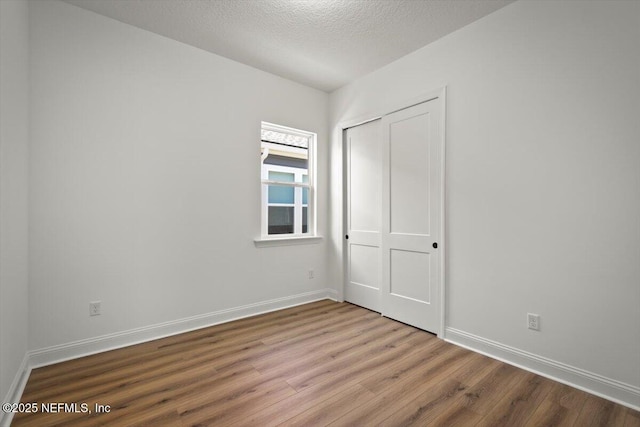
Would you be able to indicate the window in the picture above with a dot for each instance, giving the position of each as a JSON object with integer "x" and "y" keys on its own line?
{"x": 288, "y": 196}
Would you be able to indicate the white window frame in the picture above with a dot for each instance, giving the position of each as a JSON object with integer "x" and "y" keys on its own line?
{"x": 297, "y": 237}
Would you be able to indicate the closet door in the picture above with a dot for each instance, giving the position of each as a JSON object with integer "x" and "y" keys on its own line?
{"x": 411, "y": 215}
{"x": 363, "y": 176}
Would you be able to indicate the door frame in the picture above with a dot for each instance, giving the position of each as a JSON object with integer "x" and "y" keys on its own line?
{"x": 389, "y": 108}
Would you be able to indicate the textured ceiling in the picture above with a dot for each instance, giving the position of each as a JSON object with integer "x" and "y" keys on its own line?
{"x": 320, "y": 43}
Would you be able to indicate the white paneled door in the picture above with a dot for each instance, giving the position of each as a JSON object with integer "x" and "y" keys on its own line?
{"x": 363, "y": 151}
{"x": 411, "y": 215}
{"x": 394, "y": 205}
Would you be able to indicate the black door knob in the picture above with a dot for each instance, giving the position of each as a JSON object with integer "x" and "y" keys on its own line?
{"x": 346, "y": 236}
{"x": 435, "y": 245}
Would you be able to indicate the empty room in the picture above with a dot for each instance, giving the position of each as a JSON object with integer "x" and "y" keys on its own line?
{"x": 320, "y": 212}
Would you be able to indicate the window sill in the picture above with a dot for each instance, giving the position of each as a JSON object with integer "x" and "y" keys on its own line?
{"x": 263, "y": 242}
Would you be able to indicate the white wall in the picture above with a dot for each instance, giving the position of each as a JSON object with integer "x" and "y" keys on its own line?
{"x": 14, "y": 134}
{"x": 145, "y": 179}
{"x": 543, "y": 177}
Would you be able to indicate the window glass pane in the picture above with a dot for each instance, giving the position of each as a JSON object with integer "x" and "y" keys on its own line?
{"x": 281, "y": 176}
{"x": 289, "y": 156}
{"x": 280, "y": 220}
{"x": 305, "y": 220}
{"x": 305, "y": 196}
{"x": 281, "y": 194}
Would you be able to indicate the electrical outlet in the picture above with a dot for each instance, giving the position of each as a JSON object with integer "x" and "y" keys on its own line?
{"x": 311, "y": 274}
{"x": 94, "y": 308}
{"x": 533, "y": 321}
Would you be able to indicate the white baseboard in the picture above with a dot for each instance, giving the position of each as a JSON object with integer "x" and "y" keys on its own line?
{"x": 15, "y": 390}
{"x": 607, "y": 388}
{"x": 74, "y": 350}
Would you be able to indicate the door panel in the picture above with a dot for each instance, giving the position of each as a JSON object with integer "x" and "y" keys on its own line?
{"x": 409, "y": 174}
{"x": 364, "y": 265}
{"x": 362, "y": 148}
{"x": 364, "y": 182}
{"x": 410, "y": 274}
{"x": 411, "y": 201}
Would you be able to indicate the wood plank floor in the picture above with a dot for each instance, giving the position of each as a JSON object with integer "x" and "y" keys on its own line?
{"x": 317, "y": 364}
